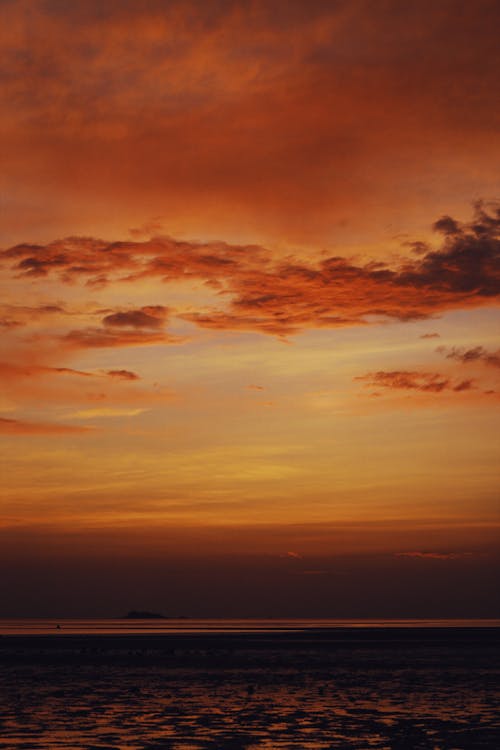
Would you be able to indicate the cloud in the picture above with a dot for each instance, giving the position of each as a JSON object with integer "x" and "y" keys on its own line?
{"x": 30, "y": 385}
{"x": 102, "y": 337}
{"x": 72, "y": 257}
{"x": 281, "y": 296}
{"x": 148, "y": 229}
{"x": 426, "y": 382}
{"x": 123, "y": 374}
{"x": 312, "y": 572}
{"x": 105, "y": 412}
{"x": 19, "y": 427}
{"x": 464, "y": 385}
{"x": 9, "y": 323}
{"x": 152, "y": 316}
{"x": 283, "y": 114}
{"x": 435, "y": 555}
{"x": 447, "y": 225}
{"x": 11, "y": 370}
{"x": 468, "y": 263}
{"x": 119, "y": 328}
{"x": 430, "y": 336}
{"x": 474, "y": 354}
{"x": 14, "y": 316}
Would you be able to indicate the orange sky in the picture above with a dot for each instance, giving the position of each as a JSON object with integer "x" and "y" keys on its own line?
{"x": 249, "y": 283}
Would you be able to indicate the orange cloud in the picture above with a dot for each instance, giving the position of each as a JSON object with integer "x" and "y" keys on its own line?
{"x": 101, "y": 337}
{"x": 10, "y": 370}
{"x": 14, "y": 316}
{"x": 30, "y": 383}
{"x": 20, "y": 427}
{"x": 148, "y": 229}
{"x": 475, "y": 354}
{"x": 427, "y": 382}
{"x": 123, "y": 374}
{"x": 290, "y": 115}
{"x": 100, "y": 412}
{"x": 282, "y": 297}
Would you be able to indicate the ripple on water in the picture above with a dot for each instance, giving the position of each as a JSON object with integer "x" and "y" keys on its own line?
{"x": 156, "y": 708}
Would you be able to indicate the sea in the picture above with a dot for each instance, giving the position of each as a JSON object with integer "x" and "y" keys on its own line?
{"x": 159, "y": 626}
{"x": 190, "y": 684}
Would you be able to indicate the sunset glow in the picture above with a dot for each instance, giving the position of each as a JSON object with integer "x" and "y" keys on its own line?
{"x": 249, "y": 302}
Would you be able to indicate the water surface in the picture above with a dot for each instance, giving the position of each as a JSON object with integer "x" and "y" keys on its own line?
{"x": 83, "y": 626}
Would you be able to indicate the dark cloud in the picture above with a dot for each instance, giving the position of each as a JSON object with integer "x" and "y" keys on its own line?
{"x": 467, "y": 264}
{"x": 39, "y": 266}
{"x": 72, "y": 257}
{"x": 27, "y": 370}
{"x": 430, "y": 336}
{"x": 446, "y": 225}
{"x": 67, "y": 371}
{"x": 123, "y": 375}
{"x": 427, "y": 382}
{"x": 474, "y": 354}
{"x": 464, "y": 385}
{"x": 125, "y": 328}
{"x": 152, "y": 316}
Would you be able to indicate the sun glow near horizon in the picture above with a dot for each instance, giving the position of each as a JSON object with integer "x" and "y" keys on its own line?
{"x": 249, "y": 292}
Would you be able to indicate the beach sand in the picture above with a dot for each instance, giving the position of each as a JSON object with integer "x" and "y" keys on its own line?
{"x": 372, "y": 689}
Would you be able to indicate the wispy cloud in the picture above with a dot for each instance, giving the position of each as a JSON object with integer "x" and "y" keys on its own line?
{"x": 88, "y": 338}
{"x": 105, "y": 412}
{"x": 466, "y": 355}
{"x": 435, "y": 555}
{"x": 28, "y": 370}
{"x": 21, "y": 427}
{"x": 427, "y": 382}
{"x": 123, "y": 374}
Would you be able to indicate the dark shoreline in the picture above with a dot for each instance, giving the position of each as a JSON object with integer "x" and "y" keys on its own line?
{"x": 405, "y": 645}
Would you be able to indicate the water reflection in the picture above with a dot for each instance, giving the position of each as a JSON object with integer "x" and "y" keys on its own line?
{"x": 32, "y": 626}
{"x": 106, "y": 707}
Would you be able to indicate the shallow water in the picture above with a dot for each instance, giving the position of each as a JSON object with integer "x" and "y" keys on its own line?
{"x": 366, "y": 700}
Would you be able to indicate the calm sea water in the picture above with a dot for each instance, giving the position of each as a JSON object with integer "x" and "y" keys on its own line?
{"x": 83, "y": 626}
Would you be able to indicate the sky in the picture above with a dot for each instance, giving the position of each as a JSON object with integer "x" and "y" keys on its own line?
{"x": 249, "y": 308}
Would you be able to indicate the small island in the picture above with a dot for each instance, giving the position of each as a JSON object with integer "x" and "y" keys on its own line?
{"x": 139, "y": 614}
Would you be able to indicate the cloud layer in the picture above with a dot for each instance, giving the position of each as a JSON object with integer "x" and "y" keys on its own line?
{"x": 289, "y": 117}
{"x": 271, "y": 295}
